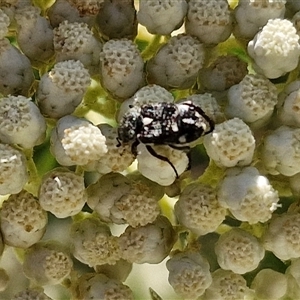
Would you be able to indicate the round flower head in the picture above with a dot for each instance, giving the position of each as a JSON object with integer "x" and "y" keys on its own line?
{"x": 47, "y": 263}
{"x": 198, "y": 209}
{"x": 161, "y": 17}
{"x": 16, "y": 76}
{"x": 223, "y": 73}
{"x": 252, "y": 100}
{"x": 13, "y": 170}
{"x": 293, "y": 276}
{"x": 281, "y": 152}
{"x": 251, "y": 15}
{"x": 83, "y": 11}
{"x": 189, "y": 274}
{"x": 118, "y": 157}
{"x": 282, "y": 236}
{"x": 118, "y": 200}
{"x": 62, "y": 192}
{"x": 61, "y": 90}
{"x": 239, "y": 251}
{"x": 230, "y": 144}
{"x": 248, "y": 195}
{"x": 77, "y": 141}
{"x": 99, "y": 286}
{"x": 21, "y": 122}
{"x": 277, "y": 41}
{"x": 34, "y": 35}
{"x": 117, "y": 19}
{"x": 209, "y": 105}
{"x": 121, "y": 68}
{"x": 158, "y": 170}
{"x": 177, "y": 63}
{"x": 30, "y": 294}
{"x": 151, "y": 243}
{"x": 289, "y": 105}
{"x": 92, "y": 242}
{"x": 23, "y": 221}
{"x": 227, "y": 285}
{"x": 148, "y": 94}
{"x": 4, "y": 23}
{"x": 269, "y": 284}
{"x": 76, "y": 41}
{"x": 210, "y": 21}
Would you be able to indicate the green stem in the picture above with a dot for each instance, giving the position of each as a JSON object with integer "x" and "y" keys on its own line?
{"x": 152, "y": 47}
{"x": 34, "y": 181}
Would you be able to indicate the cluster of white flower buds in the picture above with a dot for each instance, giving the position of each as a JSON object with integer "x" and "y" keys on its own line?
{"x": 142, "y": 135}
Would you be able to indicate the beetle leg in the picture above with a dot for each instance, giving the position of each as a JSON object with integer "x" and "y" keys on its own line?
{"x": 163, "y": 158}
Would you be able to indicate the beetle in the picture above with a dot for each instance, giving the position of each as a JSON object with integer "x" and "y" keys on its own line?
{"x": 163, "y": 123}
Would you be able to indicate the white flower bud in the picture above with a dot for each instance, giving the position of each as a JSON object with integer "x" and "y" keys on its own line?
{"x": 269, "y": 285}
{"x": 283, "y": 235}
{"x": 209, "y": 105}
{"x": 158, "y": 170}
{"x": 210, "y": 21}
{"x": 239, "y": 251}
{"x": 277, "y": 41}
{"x": 4, "y": 23}
{"x": 121, "y": 68}
{"x": 289, "y": 105}
{"x": 21, "y": 122}
{"x": 134, "y": 204}
{"x": 198, "y": 209}
{"x": 23, "y": 221}
{"x": 281, "y": 152}
{"x": 223, "y": 73}
{"x": 248, "y": 195}
{"x": 77, "y": 141}
{"x": 161, "y": 17}
{"x": 76, "y": 41}
{"x": 117, "y": 19}
{"x": 92, "y": 242}
{"x": 47, "y": 263}
{"x": 98, "y": 286}
{"x": 177, "y": 63}
{"x": 34, "y": 35}
{"x": 251, "y": 15}
{"x": 151, "y": 243}
{"x": 16, "y": 76}
{"x": 227, "y": 285}
{"x": 252, "y": 100}
{"x": 13, "y": 170}
{"x": 118, "y": 157}
{"x": 189, "y": 274}
{"x": 148, "y": 94}
{"x": 61, "y": 90}
{"x": 30, "y": 294}
{"x": 62, "y": 192}
{"x": 230, "y": 144}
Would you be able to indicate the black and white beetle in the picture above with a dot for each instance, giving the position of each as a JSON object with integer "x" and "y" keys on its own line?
{"x": 163, "y": 123}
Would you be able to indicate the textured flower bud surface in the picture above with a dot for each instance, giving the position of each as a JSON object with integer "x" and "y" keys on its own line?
{"x": 189, "y": 274}
{"x": 230, "y": 144}
{"x": 239, "y": 251}
{"x": 23, "y": 221}
{"x": 13, "y": 170}
{"x": 277, "y": 41}
{"x": 21, "y": 122}
{"x": 77, "y": 141}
